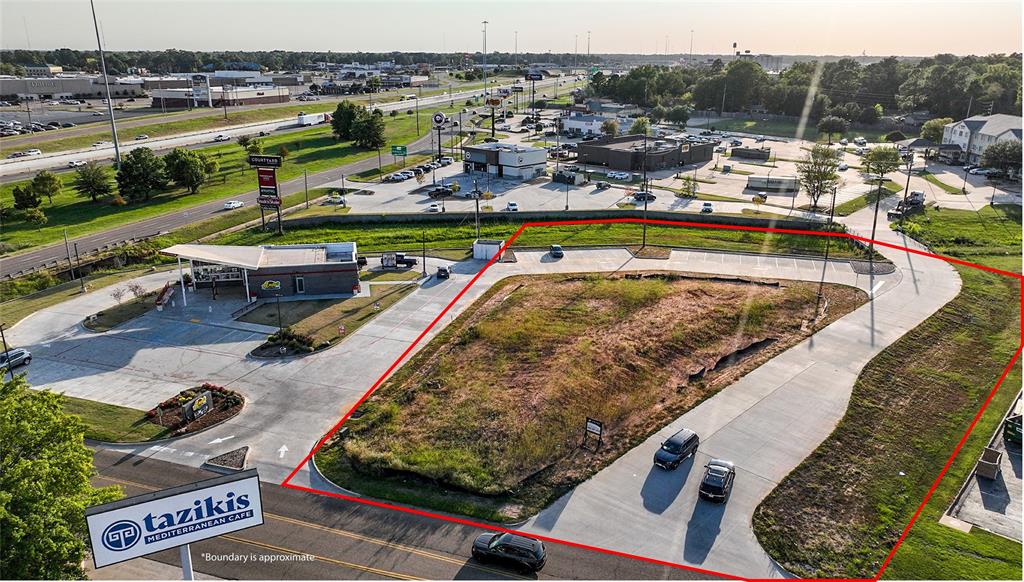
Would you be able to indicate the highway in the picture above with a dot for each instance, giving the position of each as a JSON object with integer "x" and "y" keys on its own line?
{"x": 310, "y": 537}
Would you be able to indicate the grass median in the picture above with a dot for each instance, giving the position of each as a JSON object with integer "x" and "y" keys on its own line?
{"x": 114, "y": 424}
{"x": 841, "y": 511}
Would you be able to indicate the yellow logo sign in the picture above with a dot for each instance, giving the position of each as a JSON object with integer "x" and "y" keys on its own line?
{"x": 198, "y": 403}
{"x": 271, "y": 285}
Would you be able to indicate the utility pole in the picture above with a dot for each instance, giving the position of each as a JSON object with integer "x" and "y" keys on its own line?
{"x": 645, "y": 190}
{"x": 106, "y": 86}
{"x": 305, "y": 186}
{"x": 78, "y": 260}
{"x": 423, "y": 240}
{"x": 67, "y": 249}
{"x": 970, "y": 138}
{"x": 691, "y": 48}
{"x": 7, "y": 351}
{"x": 588, "y": 47}
{"x": 515, "y": 47}
{"x": 485, "y": 59}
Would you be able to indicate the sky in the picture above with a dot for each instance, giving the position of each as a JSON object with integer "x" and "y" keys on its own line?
{"x": 801, "y": 27}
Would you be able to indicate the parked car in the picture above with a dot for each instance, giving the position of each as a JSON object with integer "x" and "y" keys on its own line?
{"x": 735, "y": 143}
{"x": 446, "y": 160}
{"x": 707, "y": 208}
{"x": 444, "y": 272}
{"x": 720, "y": 149}
{"x": 440, "y": 191}
{"x": 844, "y": 141}
{"x": 556, "y": 251}
{"x": 76, "y": 163}
{"x": 514, "y": 550}
{"x": 221, "y": 137}
{"x": 233, "y": 204}
{"x": 644, "y": 196}
{"x": 602, "y": 185}
{"x": 512, "y": 207}
{"x": 68, "y": 124}
{"x": 18, "y": 357}
{"x": 676, "y": 449}
{"x": 980, "y": 171}
{"x": 843, "y": 166}
{"x": 717, "y": 482}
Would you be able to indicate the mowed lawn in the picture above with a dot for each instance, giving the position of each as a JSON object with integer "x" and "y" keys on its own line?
{"x": 490, "y": 412}
{"x": 842, "y": 510}
{"x": 313, "y": 150}
{"x": 383, "y": 237}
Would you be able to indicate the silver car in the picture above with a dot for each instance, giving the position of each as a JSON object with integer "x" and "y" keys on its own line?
{"x": 18, "y": 356}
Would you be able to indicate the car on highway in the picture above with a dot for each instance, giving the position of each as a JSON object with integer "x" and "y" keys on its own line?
{"x": 707, "y": 208}
{"x": 100, "y": 144}
{"x": 141, "y": 137}
{"x": 9, "y": 132}
{"x": 18, "y": 357}
{"x": 514, "y": 550}
{"x": 221, "y": 137}
{"x": 556, "y": 251}
{"x": 98, "y": 114}
{"x": 233, "y": 204}
{"x": 444, "y": 272}
{"x": 33, "y": 152}
{"x": 76, "y": 163}
{"x": 512, "y": 207}
{"x": 676, "y": 449}
{"x": 67, "y": 125}
{"x": 716, "y": 485}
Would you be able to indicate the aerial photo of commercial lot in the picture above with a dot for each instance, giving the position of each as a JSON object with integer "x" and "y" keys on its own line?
{"x": 618, "y": 293}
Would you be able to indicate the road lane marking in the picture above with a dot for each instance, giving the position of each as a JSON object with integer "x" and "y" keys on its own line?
{"x": 352, "y": 535}
{"x": 350, "y": 565}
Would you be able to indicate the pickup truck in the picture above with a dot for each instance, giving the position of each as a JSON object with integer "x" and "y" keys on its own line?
{"x": 397, "y": 260}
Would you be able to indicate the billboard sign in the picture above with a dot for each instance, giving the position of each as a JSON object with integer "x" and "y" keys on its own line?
{"x": 504, "y": 92}
{"x": 201, "y": 90}
{"x": 398, "y": 150}
{"x": 439, "y": 118}
{"x": 268, "y": 195}
{"x": 264, "y": 161}
{"x": 517, "y": 88}
{"x": 148, "y": 523}
{"x": 534, "y": 76}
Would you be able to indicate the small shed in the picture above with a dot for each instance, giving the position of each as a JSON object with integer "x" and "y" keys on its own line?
{"x": 487, "y": 249}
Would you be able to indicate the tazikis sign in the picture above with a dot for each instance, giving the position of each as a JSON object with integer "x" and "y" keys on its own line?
{"x": 152, "y": 522}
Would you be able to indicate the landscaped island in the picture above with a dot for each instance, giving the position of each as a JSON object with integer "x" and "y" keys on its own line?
{"x": 488, "y": 418}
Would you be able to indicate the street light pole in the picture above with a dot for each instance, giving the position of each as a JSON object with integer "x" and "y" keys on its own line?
{"x": 106, "y": 86}
{"x": 484, "y": 66}
{"x": 828, "y": 240}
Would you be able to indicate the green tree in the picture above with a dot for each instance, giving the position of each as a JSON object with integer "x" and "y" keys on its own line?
{"x": 368, "y": 131}
{"x": 894, "y": 136}
{"x": 933, "y": 128}
{"x": 26, "y": 197}
{"x": 641, "y": 125}
{"x": 47, "y": 184}
{"x": 44, "y": 485}
{"x": 817, "y": 172}
{"x": 283, "y": 151}
{"x": 1005, "y": 155}
{"x": 36, "y": 217}
{"x": 243, "y": 141}
{"x": 679, "y": 114}
{"x": 189, "y": 168}
{"x": 91, "y": 180}
{"x": 255, "y": 146}
{"x": 344, "y": 116}
{"x": 832, "y": 125}
{"x": 610, "y": 127}
{"x": 689, "y": 188}
{"x": 877, "y": 163}
{"x": 142, "y": 173}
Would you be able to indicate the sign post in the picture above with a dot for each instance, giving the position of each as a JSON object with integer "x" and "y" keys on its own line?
{"x": 173, "y": 518}
{"x": 399, "y": 150}
{"x": 593, "y": 427}
{"x": 269, "y": 198}
{"x": 439, "y": 120}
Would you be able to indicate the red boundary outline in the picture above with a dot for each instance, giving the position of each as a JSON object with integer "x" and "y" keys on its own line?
{"x": 508, "y": 243}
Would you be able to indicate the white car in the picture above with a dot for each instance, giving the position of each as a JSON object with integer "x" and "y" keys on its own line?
{"x": 222, "y": 137}
{"x": 843, "y": 166}
{"x": 75, "y": 163}
{"x": 100, "y": 144}
{"x": 233, "y": 204}
{"x": 33, "y": 152}
{"x": 434, "y": 207}
{"x": 512, "y": 207}
{"x": 141, "y": 137}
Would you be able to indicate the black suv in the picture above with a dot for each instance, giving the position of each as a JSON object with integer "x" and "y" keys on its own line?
{"x": 514, "y": 550}
{"x": 717, "y": 482}
{"x": 677, "y": 448}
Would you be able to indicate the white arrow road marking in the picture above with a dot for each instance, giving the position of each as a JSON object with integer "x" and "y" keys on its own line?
{"x": 877, "y": 287}
{"x": 217, "y": 441}
{"x": 282, "y": 451}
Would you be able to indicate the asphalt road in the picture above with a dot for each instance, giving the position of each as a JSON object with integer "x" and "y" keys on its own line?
{"x": 310, "y": 537}
{"x": 166, "y": 222}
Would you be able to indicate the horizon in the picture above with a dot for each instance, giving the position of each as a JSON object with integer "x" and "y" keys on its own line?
{"x": 403, "y": 27}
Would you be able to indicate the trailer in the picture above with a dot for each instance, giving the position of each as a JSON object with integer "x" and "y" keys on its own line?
{"x": 306, "y": 119}
{"x": 773, "y": 183}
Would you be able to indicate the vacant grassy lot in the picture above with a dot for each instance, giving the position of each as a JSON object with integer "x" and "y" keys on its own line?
{"x": 536, "y": 355}
{"x": 321, "y": 318}
{"x": 115, "y": 424}
{"x": 313, "y": 150}
{"x": 410, "y": 237}
{"x": 841, "y": 511}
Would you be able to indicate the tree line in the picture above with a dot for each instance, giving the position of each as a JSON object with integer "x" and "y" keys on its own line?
{"x": 183, "y": 61}
{"x": 945, "y": 85}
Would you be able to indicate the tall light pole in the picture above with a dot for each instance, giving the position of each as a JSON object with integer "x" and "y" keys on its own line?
{"x": 691, "y": 48}
{"x": 106, "y": 86}
{"x": 588, "y": 46}
{"x": 515, "y": 47}
{"x": 485, "y": 59}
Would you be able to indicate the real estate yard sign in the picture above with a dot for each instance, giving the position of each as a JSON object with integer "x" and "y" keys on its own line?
{"x": 140, "y": 525}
